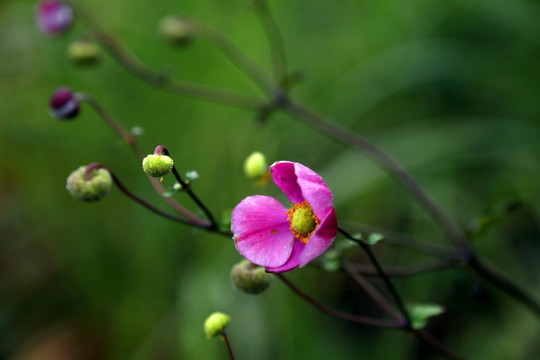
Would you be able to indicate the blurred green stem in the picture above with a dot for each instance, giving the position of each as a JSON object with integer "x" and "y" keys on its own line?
{"x": 399, "y": 239}
{"x": 402, "y": 271}
{"x": 131, "y": 63}
{"x": 277, "y": 48}
{"x": 336, "y": 313}
{"x": 382, "y": 275}
{"x": 236, "y": 56}
{"x": 372, "y": 292}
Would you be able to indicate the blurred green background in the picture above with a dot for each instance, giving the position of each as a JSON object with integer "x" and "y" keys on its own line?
{"x": 450, "y": 89}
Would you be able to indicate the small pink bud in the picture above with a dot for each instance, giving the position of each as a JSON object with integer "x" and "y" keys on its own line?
{"x": 63, "y": 104}
{"x": 54, "y": 17}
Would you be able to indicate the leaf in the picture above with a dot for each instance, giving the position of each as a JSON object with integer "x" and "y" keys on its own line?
{"x": 192, "y": 175}
{"x": 374, "y": 238}
{"x": 420, "y": 313}
{"x": 168, "y": 193}
{"x": 330, "y": 260}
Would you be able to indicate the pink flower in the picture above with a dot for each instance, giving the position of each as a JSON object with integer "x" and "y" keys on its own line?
{"x": 54, "y": 16}
{"x": 280, "y": 239}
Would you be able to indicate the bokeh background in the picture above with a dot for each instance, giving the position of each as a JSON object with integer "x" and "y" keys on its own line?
{"x": 451, "y": 89}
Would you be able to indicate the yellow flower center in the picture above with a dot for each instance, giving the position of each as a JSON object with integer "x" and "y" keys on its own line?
{"x": 302, "y": 220}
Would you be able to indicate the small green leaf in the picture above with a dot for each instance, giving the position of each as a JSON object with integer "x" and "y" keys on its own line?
{"x": 137, "y": 130}
{"x": 374, "y": 238}
{"x": 168, "y": 193}
{"x": 192, "y": 175}
{"x": 330, "y": 260}
{"x": 343, "y": 245}
{"x": 420, "y": 313}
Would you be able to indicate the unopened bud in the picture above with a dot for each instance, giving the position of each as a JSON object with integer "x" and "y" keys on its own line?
{"x": 84, "y": 52}
{"x": 176, "y": 29}
{"x": 215, "y": 324}
{"x": 255, "y": 166}
{"x": 250, "y": 278}
{"x": 63, "y": 105}
{"x": 54, "y": 17}
{"x": 89, "y": 186}
{"x": 157, "y": 165}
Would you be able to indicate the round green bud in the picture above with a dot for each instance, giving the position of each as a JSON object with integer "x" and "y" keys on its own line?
{"x": 157, "y": 165}
{"x": 90, "y": 188}
{"x": 250, "y": 278}
{"x": 84, "y": 52}
{"x": 215, "y": 324}
{"x": 255, "y": 166}
{"x": 176, "y": 29}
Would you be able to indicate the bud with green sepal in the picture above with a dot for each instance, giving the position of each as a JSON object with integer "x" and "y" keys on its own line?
{"x": 250, "y": 278}
{"x": 176, "y": 29}
{"x": 84, "y": 52}
{"x": 215, "y": 324}
{"x": 157, "y": 164}
{"x": 89, "y": 183}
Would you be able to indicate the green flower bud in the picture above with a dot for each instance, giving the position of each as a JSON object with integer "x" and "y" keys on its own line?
{"x": 250, "y": 278}
{"x": 157, "y": 165}
{"x": 84, "y": 52}
{"x": 92, "y": 187}
{"x": 255, "y": 166}
{"x": 176, "y": 29}
{"x": 215, "y": 324}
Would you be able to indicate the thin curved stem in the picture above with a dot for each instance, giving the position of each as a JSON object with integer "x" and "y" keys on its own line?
{"x": 277, "y": 47}
{"x": 135, "y": 66}
{"x": 402, "y": 271}
{"x": 130, "y": 139}
{"x": 399, "y": 239}
{"x": 236, "y": 56}
{"x": 382, "y": 274}
{"x": 228, "y": 343}
{"x": 336, "y": 313}
{"x": 436, "y": 344}
{"x": 372, "y": 292}
{"x": 190, "y": 192}
{"x": 503, "y": 283}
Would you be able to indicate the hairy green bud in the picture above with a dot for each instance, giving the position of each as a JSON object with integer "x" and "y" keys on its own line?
{"x": 91, "y": 186}
{"x": 250, "y": 278}
{"x": 215, "y": 324}
{"x": 84, "y": 52}
{"x": 157, "y": 165}
{"x": 255, "y": 166}
{"x": 176, "y": 29}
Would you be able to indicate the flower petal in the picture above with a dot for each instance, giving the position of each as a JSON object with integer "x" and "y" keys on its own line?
{"x": 320, "y": 240}
{"x": 261, "y": 231}
{"x": 314, "y": 190}
{"x": 284, "y": 176}
{"x": 292, "y": 262}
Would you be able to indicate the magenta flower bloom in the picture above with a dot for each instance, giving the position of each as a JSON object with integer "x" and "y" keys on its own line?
{"x": 280, "y": 239}
{"x": 54, "y": 16}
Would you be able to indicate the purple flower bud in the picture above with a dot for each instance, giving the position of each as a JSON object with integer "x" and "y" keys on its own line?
{"x": 54, "y": 17}
{"x": 63, "y": 104}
